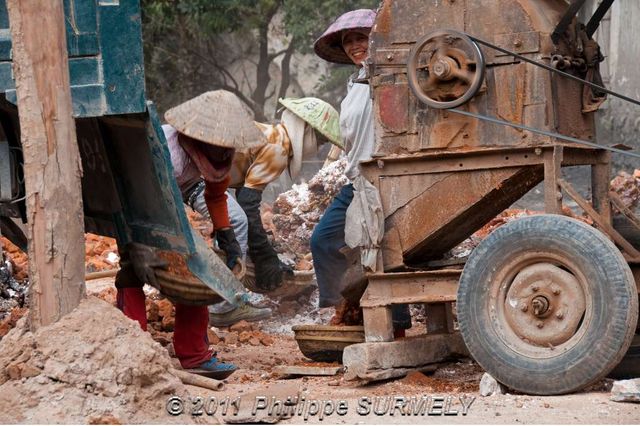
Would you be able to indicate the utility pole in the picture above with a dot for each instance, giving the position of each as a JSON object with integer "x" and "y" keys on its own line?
{"x": 52, "y": 165}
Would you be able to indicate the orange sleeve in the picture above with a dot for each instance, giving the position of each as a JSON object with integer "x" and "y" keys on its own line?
{"x": 216, "y": 199}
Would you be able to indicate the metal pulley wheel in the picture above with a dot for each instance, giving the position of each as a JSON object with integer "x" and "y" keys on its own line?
{"x": 445, "y": 69}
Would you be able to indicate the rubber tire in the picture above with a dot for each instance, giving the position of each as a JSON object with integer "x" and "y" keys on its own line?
{"x": 614, "y": 302}
{"x": 629, "y": 367}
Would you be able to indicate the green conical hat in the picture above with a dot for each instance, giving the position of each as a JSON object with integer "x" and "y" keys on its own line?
{"x": 319, "y": 114}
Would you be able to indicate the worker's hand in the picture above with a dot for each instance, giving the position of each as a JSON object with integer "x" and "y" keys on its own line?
{"x": 287, "y": 271}
{"x": 269, "y": 273}
{"x": 142, "y": 259}
{"x": 227, "y": 242}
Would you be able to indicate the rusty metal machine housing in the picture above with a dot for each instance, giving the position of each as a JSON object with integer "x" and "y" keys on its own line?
{"x": 482, "y": 166}
{"x": 434, "y": 67}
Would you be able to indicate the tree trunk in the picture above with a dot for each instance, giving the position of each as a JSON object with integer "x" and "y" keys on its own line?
{"x": 285, "y": 80}
{"x": 52, "y": 166}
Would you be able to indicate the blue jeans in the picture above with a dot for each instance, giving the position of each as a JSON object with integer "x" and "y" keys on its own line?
{"x": 329, "y": 263}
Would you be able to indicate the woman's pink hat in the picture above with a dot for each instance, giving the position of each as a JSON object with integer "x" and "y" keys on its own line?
{"x": 329, "y": 45}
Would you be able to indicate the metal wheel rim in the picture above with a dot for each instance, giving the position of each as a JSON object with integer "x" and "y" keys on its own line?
{"x": 497, "y": 301}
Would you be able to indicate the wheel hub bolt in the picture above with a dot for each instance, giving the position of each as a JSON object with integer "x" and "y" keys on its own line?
{"x": 441, "y": 69}
{"x": 540, "y": 305}
{"x": 534, "y": 288}
{"x": 559, "y": 314}
{"x": 539, "y": 324}
{"x": 555, "y": 289}
{"x": 524, "y": 307}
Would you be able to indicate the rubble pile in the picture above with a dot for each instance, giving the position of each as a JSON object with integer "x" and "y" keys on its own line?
{"x": 11, "y": 319}
{"x": 101, "y": 253}
{"x": 627, "y": 186}
{"x": 241, "y": 333}
{"x": 93, "y": 366}
{"x": 201, "y": 224}
{"x": 17, "y": 258}
{"x": 465, "y": 248}
{"x": 13, "y": 293}
{"x": 14, "y": 285}
{"x": 161, "y": 318}
{"x": 296, "y": 212}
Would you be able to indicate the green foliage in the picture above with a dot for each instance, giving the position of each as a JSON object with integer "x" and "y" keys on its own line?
{"x": 188, "y": 48}
{"x": 306, "y": 20}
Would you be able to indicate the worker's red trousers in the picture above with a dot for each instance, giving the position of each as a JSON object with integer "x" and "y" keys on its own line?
{"x": 190, "y": 332}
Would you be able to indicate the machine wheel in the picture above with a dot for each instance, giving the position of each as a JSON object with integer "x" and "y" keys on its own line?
{"x": 450, "y": 71}
{"x": 629, "y": 367}
{"x": 547, "y": 305}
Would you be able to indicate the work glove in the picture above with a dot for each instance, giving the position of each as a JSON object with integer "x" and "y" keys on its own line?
{"x": 269, "y": 269}
{"x": 228, "y": 243}
{"x": 137, "y": 264}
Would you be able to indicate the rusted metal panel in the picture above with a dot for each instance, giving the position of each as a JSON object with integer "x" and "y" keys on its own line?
{"x": 478, "y": 159}
{"x": 569, "y": 118}
{"x": 600, "y": 178}
{"x": 552, "y": 193}
{"x": 393, "y": 108}
{"x": 431, "y": 224}
{"x": 513, "y": 91}
{"x": 399, "y": 191}
{"x": 600, "y": 221}
{"x": 520, "y": 42}
{"x": 401, "y": 21}
{"x": 391, "y": 57}
{"x": 391, "y": 248}
{"x": 448, "y": 131}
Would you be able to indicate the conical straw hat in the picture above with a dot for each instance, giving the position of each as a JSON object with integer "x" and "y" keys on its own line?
{"x": 217, "y": 118}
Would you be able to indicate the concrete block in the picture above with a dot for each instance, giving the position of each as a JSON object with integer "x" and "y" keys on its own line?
{"x": 626, "y": 390}
{"x": 410, "y": 353}
{"x": 490, "y": 386}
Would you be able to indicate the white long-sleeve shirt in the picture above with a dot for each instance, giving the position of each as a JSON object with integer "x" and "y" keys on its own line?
{"x": 356, "y": 125}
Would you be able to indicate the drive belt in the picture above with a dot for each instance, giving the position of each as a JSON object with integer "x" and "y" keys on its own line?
{"x": 545, "y": 132}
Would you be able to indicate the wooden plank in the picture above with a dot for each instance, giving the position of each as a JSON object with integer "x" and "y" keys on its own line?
{"x": 52, "y": 166}
{"x": 599, "y": 220}
{"x": 302, "y": 370}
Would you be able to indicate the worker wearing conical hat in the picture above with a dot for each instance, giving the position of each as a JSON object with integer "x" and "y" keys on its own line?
{"x": 305, "y": 124}
{"x": 207, "y": 130}
{"x": 346, "y": 41}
